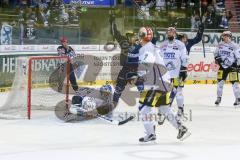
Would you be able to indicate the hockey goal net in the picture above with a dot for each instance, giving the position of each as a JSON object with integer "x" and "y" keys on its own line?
{"x": 39, "y": 84}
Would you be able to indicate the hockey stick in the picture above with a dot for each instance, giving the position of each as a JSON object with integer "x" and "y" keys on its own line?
{"x": 112, "y": 121}
{"x": 203, "y": 45}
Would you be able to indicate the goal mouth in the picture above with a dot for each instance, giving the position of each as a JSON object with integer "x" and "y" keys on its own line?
{"x": 39, "y": 84}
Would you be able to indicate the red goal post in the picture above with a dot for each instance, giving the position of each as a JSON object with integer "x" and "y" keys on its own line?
{"x": 30, "y": 70}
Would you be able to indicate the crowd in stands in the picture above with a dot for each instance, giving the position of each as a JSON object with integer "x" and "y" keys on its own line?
{"x": 212, "y": 12}
{"x": 44, "y": 11}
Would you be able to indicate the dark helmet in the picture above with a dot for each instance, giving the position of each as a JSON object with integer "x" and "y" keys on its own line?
{"x": 180, "y": 36}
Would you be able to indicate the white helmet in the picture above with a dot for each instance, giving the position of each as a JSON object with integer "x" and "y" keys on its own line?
{"x": 145, "y": 33}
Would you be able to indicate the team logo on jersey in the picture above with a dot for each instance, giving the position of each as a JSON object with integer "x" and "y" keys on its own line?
{"x": 170, "y": 66}
{"x": 225, "y": 53}
{"x": 169, "y": 55}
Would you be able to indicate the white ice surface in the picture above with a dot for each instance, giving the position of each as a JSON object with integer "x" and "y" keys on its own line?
{"x": 215, "y": 134}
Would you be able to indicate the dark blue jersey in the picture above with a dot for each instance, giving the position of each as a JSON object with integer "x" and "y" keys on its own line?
{"x": 133, "y": 54}
{"x": 195, "y": 40}
{"x": 62, "y": 51}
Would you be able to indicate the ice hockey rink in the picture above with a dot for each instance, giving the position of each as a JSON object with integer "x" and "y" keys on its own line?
{"x": 215, "y": 134}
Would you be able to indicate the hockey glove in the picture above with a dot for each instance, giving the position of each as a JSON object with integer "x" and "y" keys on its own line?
{"x": 140, "y": 84}
{"x": 183, "y": 73}
{"x": 201, "y": 28}
{"x": 218, "y": 60}
{"x": 235, "y": 67}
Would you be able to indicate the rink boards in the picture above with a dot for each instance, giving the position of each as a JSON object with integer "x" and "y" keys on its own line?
{"x": 103, "y": 65}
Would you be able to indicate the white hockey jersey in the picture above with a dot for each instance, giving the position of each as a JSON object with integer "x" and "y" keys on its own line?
{"x": 152, "y": 67}
{"x": 174, "y": 54}
{"x": 228, "y": 52}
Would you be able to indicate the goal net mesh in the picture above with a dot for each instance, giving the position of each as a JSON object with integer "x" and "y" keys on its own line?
{"x": 39, "y": 84}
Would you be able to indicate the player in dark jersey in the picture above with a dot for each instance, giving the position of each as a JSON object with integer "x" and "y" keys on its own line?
{"x": 128, "y": 58}
{"x": 66, "y": 50}
{"x": 190, "y": 42}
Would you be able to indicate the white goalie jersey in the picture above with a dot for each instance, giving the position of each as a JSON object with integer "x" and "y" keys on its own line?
{"x": 89, "y": 99}
{"x": 174, "y": 55}
{"x": 229, "y": 53}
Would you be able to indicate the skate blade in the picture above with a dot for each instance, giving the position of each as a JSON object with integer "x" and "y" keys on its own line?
{"x": 186, "y": 135}
{"x": 151, "y": 142}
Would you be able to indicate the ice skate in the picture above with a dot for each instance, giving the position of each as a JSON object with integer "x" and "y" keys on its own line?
{"x": 183, "y": 133}
{"x": 218, "y": 101}
{"x": 237, "y": 102}
{"x": 147, "y": 138}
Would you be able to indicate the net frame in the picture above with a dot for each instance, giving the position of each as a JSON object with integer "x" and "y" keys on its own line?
{"x": 29, "y": 81}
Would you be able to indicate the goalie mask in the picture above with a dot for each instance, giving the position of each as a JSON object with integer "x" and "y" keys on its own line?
{"x": 145, "y": 34}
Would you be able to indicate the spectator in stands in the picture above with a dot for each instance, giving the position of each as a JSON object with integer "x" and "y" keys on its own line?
{"x": 160, "y": 6}
{"x": 209, "y": 17}
{"x": 23, "y": 3}
{"x": 144, "y": 6}
{"x": 227, "y": 15}
{"x": 195, "y": 21}
{"x": 220, "y": 3}
{"x": 4, "y": 3}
